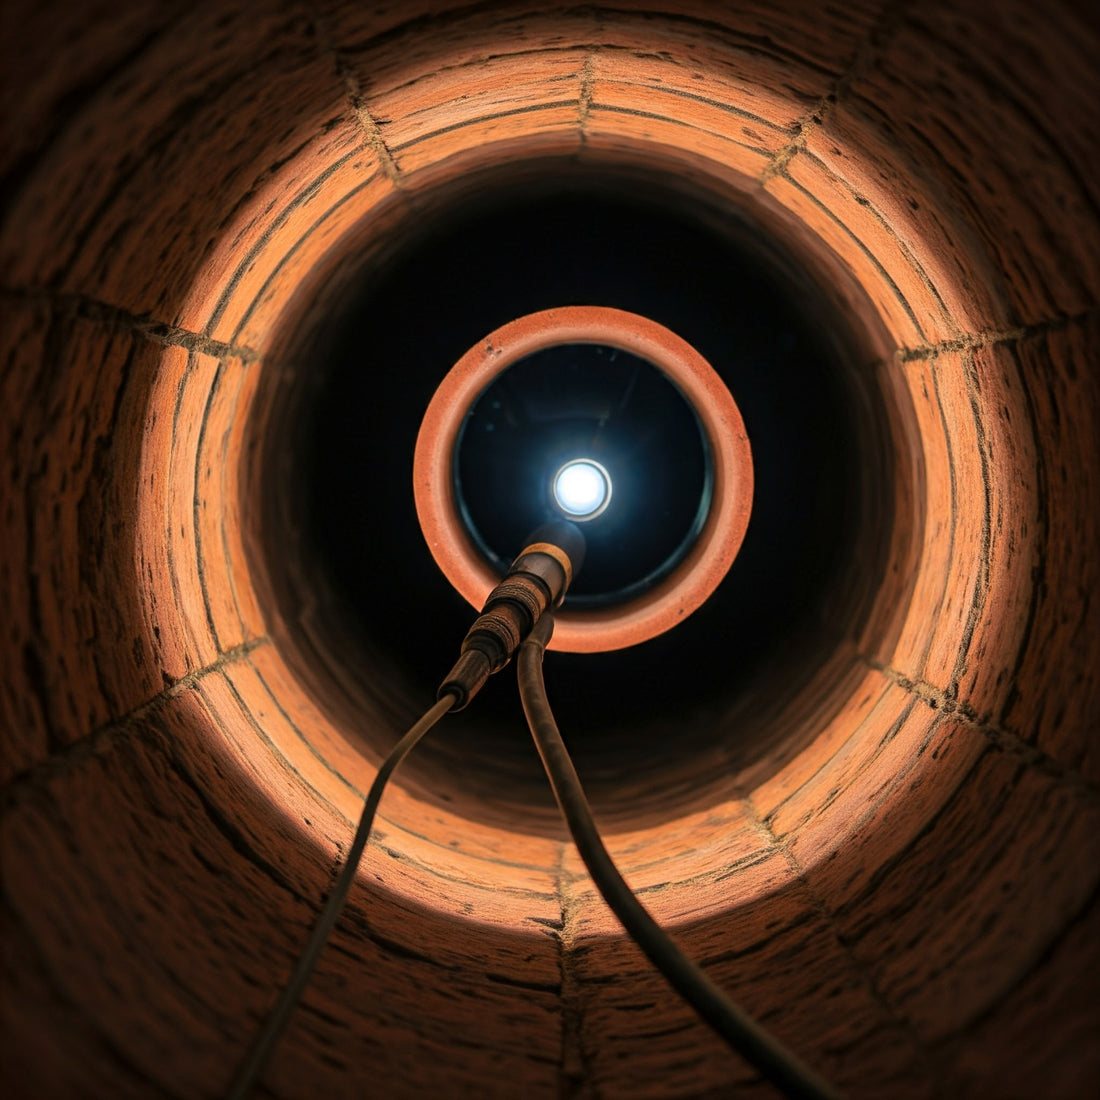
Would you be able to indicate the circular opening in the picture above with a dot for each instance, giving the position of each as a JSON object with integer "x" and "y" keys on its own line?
{"x": 640, "y": 611}
{"x": 356, "y": 586}
{"x": 515, "y": 466}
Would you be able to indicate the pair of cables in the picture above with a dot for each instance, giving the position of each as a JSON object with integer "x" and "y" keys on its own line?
{"x": 519, "y": 615}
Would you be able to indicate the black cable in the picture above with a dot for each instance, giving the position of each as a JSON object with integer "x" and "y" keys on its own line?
{"x": 739, "y": 1030}
{"x": 264, "y": 1044}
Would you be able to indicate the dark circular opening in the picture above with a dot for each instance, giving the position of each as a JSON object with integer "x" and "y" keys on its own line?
{"x": 577, "y": 401}
{"x": 357, "y": 588}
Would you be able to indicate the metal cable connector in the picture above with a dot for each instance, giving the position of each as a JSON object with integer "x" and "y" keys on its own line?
{"x": 536, "y": 582}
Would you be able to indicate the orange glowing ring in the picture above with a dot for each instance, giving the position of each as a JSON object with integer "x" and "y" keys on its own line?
{"x": 692, "y": 581}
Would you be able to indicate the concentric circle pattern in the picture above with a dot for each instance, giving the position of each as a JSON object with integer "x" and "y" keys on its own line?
{"x": 669, "y": 602}
{"x": 903, "y": 886}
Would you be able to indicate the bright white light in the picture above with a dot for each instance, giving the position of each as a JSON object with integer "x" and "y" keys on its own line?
{"x": 582, "y": 488}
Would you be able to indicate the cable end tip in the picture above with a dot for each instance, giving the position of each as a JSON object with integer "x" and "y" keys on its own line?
{"x": 466, "y": 679}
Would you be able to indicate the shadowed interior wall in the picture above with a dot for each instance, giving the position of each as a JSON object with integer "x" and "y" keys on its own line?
{"x": 904, "y": 887}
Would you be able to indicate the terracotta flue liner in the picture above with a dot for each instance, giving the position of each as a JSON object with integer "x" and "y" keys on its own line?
{"x": 707, "y": 563}
{"x": 904, "y": 888}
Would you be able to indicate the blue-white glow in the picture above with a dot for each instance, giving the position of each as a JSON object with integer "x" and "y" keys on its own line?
{"x": 582, "y": 489}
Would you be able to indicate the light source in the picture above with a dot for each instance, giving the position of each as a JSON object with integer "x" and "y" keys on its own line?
{"x": 582, "y": 489}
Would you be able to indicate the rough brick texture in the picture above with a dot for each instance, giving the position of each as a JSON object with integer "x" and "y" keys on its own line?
{"x": 905, "y": 890}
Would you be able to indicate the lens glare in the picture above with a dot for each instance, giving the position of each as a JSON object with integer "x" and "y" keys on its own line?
{"x": 582, "y": 489}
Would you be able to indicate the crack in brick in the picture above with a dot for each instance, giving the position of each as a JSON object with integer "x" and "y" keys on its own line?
{"x": 865, "y": 56}
{"x": 1030, "y": 755}
{"x": 989, "y": 337}
{"x": 361, "y": 111}
{"x": 27, "y": 782}
{"x": 159, "y": 332}
{"x": 576, "y": 1077}
{"x": 584, "y": 100}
